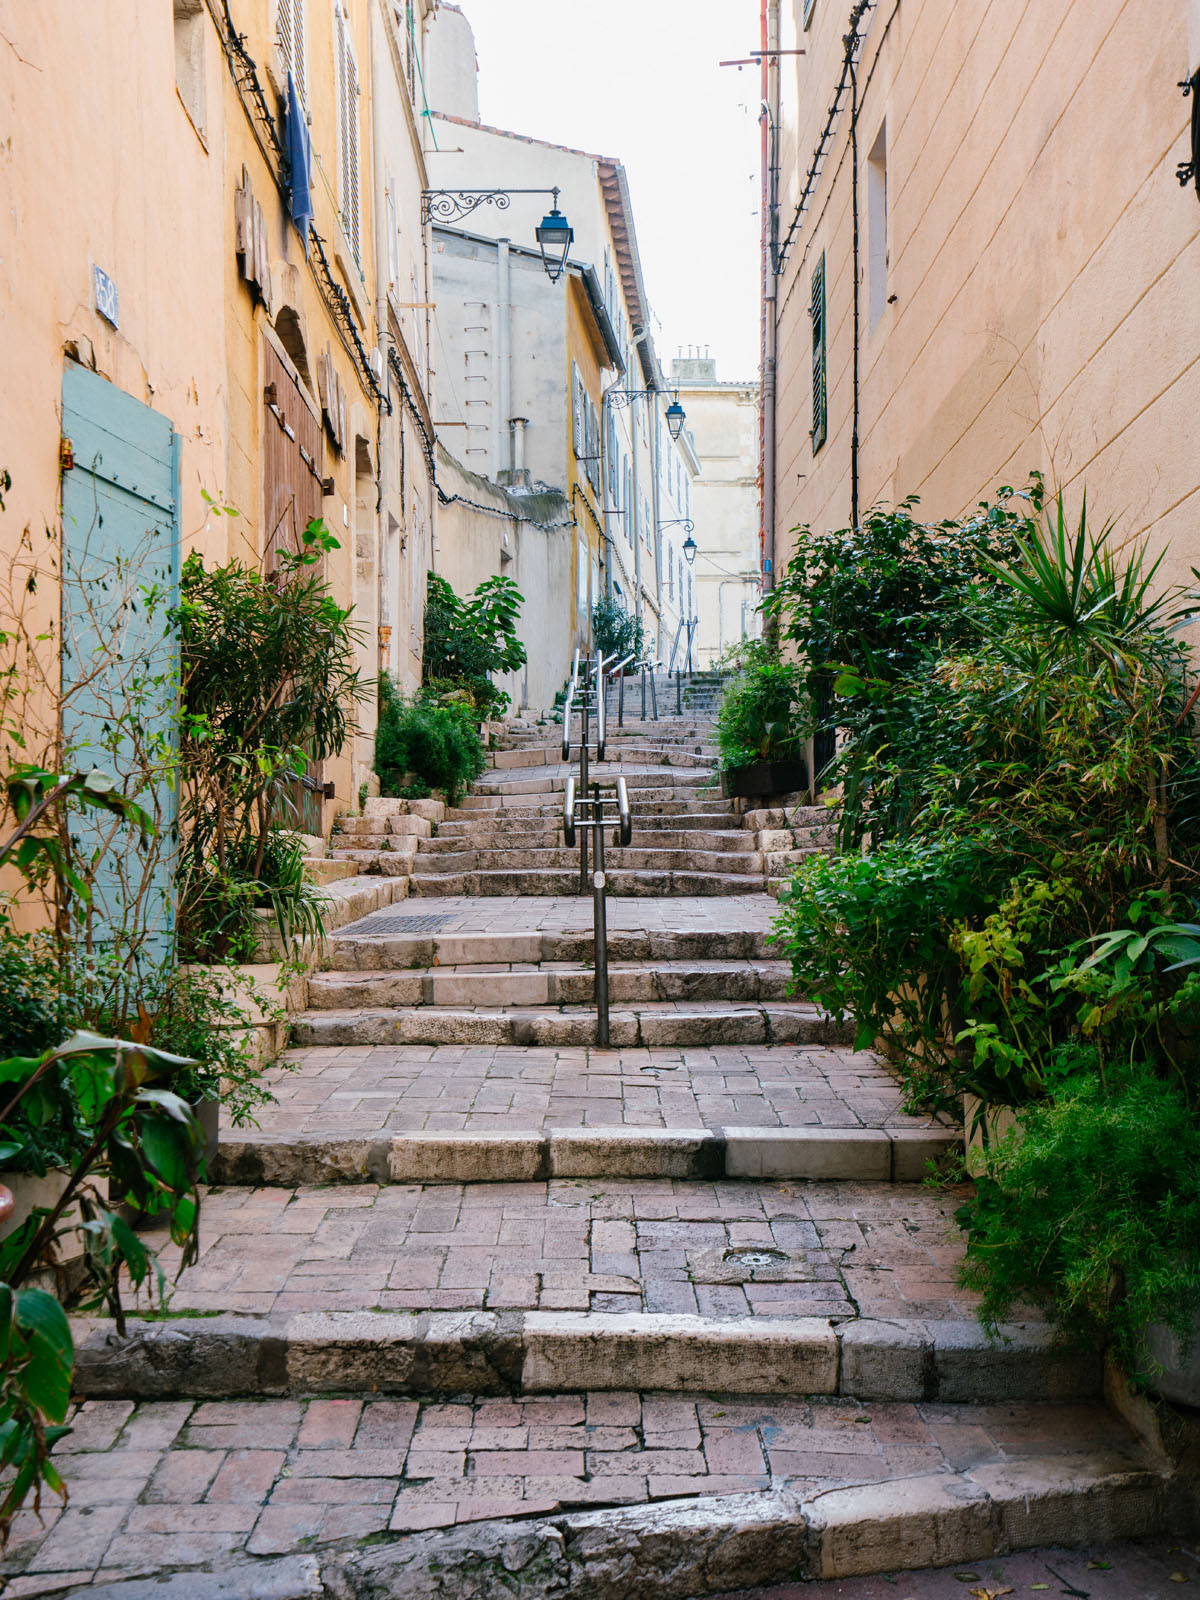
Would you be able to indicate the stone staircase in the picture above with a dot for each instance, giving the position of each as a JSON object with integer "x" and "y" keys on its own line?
{"x": 506, "y": 838}
{"x": 482, "y": 1310}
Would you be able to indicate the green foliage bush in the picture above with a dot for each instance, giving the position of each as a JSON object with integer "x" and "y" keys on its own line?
{"x": 269, "y": 685}
{"x": 1093, "y": 1211}
{"x": 33, "y": 1015}
{"x": 764, "y": 713}
{"x": 1014, "y": 914}
{"x": 615, "y": 632}
{"x": 467, "y": 640}
{"x": 436, "y": 742}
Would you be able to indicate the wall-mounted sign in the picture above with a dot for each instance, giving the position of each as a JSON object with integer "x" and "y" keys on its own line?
{"x": 106, "y": 295}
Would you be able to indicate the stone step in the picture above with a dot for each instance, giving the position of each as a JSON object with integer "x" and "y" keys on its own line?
{"x": 353, "y": 951}
{"x": 488, "y": 825}
{"x": 563, "y": 881}
{"x": 877, "y": 1155}
{"x": 224, "y": 1355}
{"x": 648, "y": 785}
{"x": 627, "y": 859}
{"x": 528, "y": 808}
{"x": 563, "y": 983}
{"x": 618, "y": 753}
{"x": 546, "y": 833}
{"x": 648, "y": 1025}
{"x": 615, "y": 1496}
{"x": 623, "y": 1494}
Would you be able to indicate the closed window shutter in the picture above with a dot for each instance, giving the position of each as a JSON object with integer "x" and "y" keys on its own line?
{"x": 299, "y": 51}
{"x": 820, "y": 398}
{"x": 284, "y": 33}
{"x": 353, "y": 193}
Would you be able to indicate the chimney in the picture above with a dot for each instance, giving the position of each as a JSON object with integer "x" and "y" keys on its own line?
{"x": 520, "y": 472}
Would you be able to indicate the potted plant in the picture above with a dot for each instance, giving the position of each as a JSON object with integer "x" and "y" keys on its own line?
{"x": 763, "y": 728}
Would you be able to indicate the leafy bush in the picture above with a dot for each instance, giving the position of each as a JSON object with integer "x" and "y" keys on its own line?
{"x": 466, "y": 640}
{"x": 615, "y": 632}
{"x": 868, "y": 610}
{"x": 437, "y": 743}
{"x": 269, "y": 685}
{"x": 764, "y": 713}
{"x": 32, "y": 1013}
{"x": 1019, "y": 756}
{"x": 1093, "y": 1210}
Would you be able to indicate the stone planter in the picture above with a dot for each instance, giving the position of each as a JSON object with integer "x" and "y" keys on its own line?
{"x": 1177, "y": 1377}
{"x": 981, "y": 1134}
{"x": 764, "y": 778}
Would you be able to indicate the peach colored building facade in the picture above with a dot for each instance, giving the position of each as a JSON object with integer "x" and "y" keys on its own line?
{"x": 149, "y": 142}
{"x": 1028, "y": 265}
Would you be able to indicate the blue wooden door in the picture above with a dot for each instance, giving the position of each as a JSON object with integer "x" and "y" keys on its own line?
{"x": 120, "y": 555}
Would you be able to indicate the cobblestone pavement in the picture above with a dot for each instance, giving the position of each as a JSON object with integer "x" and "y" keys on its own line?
{"x": 1151, "y": 1571}
{"x": 167, "y": 1485}
{"x": 367, "y": 1089}
{"x": 721, "y": 1249}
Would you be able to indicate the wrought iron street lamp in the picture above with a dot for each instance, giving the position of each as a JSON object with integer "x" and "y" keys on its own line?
{"x": 689, "y": 549}
{"x": 676, "y": 417}
{"x": 554, "y": 233}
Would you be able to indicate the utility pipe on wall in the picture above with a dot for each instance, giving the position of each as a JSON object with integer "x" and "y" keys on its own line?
{"x": 504, "y": 461}
{"x": 769, "y": 119}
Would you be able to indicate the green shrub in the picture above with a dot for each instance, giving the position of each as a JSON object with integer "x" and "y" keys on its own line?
{"x": 466, "y": 640}
{"x": 615, "y": 632}
{"x": 32, "y": 1014}
{"x": 1093, "y": 1210}
{"x": 764, "y": 713}
{"x": 438, "y": 744}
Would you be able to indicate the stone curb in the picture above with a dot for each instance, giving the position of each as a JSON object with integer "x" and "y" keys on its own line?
{"x": 848, "y": 1154}
{"x": 547, "y": 1352}
{"x": 686, "y": 1549}
{"x": 792, "y": 1022}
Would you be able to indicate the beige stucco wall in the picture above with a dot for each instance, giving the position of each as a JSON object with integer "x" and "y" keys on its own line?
{"x": 117, "y": 176}
{"x": 1045, "y": 264}
{"x": 723, "y": 421}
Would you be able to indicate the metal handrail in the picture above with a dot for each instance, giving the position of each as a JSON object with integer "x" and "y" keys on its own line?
{"x": 582, "y": 803}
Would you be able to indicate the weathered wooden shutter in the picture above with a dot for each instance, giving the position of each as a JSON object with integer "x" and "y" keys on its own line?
{"x": 820, "y": 396}
{"x": 354, "y": 189}
{"x": 291, "y": 459}
{"x": 120, "y": 539}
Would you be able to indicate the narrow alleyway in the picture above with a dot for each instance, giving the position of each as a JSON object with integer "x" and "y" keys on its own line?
{"x": 473, "y": 1269}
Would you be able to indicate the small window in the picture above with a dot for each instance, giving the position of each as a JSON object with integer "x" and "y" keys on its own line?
{"x": 293, "y": 44}
{"x": 189, "y": 60}
{"x": 820, "y": 399}
{"x": 348, "y": 146}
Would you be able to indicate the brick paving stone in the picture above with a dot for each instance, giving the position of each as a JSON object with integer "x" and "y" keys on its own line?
{"x": 498, "y": 1458}
{"x": 847, "y": 1249}
{"x": 372, "y": 1089}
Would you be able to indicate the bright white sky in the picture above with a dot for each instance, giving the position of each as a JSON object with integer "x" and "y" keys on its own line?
{"x": 640, "y": 80}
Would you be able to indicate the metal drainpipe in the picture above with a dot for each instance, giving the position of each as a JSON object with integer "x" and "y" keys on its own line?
{"x": 655, "y": 419}
{"x": 770, "y": 281}
{"x": 504, "y": 464}
{"x": 637, "y": 532}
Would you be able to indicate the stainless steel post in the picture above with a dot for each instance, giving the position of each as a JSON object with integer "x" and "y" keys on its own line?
{"x": 583, "y": 790}
{"x": 653, "y": 696}
{"x": 643, "y": 694}
{"x": 599, "y": 921}
{"x": 678, "y": 691}
{"x": 621, "y": 702}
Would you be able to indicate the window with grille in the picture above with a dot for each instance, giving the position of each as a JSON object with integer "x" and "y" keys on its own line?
{"x": 293, "y": 45}
{"x": 820, "y": 396}
{"x": 349, "y": 179}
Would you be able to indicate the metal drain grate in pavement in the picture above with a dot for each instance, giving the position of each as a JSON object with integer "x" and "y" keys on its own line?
{"x": 393, "y": 922}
